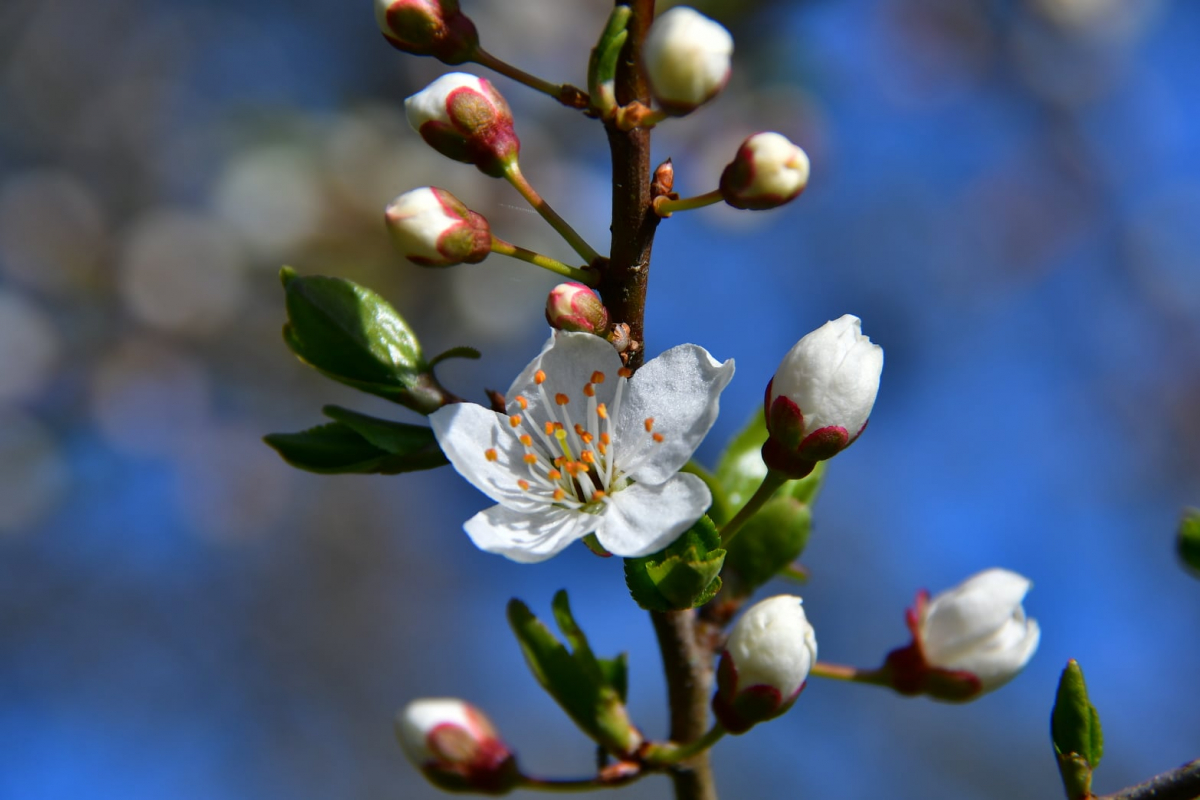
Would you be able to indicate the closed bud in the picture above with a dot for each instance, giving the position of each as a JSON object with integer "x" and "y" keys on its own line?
{"x": 433, "y": 228}
{"x": 767, "y": 172}
{"x": 455, "y": 746}
{"x": 463, "y": 117}
{"x": 687, "y": 59}
{"x": 821, "y": 396}
{"x": 428, "y": 28}
{"x": 765, "y": 663}
{"x": 574, "y": 307}
{"x": 967, "y": 640}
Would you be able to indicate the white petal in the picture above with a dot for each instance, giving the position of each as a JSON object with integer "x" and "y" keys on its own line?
{"x": 642, "y": 519}
{"x": 568, "y": 359}
{"x": 999, "y": 659}
{"x": 466, "y": 432}
{"x": 429, "y": 104}
{"x": 773, "y": 644}
{"x": 528, "y": 536}
{"x": 680, "y": 390}
{"x": 972, "y": 612}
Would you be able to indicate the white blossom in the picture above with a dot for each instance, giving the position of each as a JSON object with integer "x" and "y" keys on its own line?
{"x": 980, "y": 627}
{"x": 687, "y": 59}
{"x": 585, "y": 448}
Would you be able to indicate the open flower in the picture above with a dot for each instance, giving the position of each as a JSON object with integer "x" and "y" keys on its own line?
{"x": 586, "y": 448}
{"x": 967, "y": 640}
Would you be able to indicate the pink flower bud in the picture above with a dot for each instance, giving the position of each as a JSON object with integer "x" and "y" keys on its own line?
{"x": 428, "y": 28}
{"x": 574, "y": 307}
{"x": 967, "y": 640}
{"x": 433, "y": 228}
{"x": 455, "y": 746}
{"x": 767, "y": 172}
{"x": 687, "y": 59}
{"x": 463, "y": 117}
{"x": 765, "y": 663}
{"x": 821, "y": 396}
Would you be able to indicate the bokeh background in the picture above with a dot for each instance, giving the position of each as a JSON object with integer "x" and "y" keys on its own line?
{"x": 1007, "y": 193}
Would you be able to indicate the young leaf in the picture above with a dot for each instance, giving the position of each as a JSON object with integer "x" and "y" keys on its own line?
{"x": 683, "y": 575}
{"x": 1075, "y": 732}
{"x": 358, "y": 444}
{"x": 1188, "y": 541}
{"x": 768, "y": 543}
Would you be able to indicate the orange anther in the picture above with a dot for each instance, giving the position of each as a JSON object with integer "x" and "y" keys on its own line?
{"x": 586, "y": 437}
{"x": 561, "y": 399}
{"x": 530, "y": 458}
{"x": 554, "y": 475}
{"x": 526, "y": 440}
{"x": 625, "y": 372}
{"x": 558, "y": 426}
{"x": 597, "y": 377}
{"x": 658, "y": 437}
{"x": 539, "y": 377}
{"x": 589, "y": 390}
{"x": 602, "y": 411}
{"x": 587, "y": 457}
{"x": 559, "y": 494}
{"x": 515, "y": 420}
{"x": 649, "y": 424}
{"x": 605, "y": 438}
{"x": 524, "y": 484}
{"x": 490, "y": 454}
{"x": 549, "y": 428}
{"x": 599, "y": 494}
{"x": 522, "y": 402}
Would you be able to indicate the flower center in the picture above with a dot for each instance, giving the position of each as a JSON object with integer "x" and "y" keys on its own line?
{"x": 570, "y": 456}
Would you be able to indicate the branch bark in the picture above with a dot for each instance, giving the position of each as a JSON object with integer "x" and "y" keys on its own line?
{"x": 687, "y": 661}
{"x": 1178, "y": 784}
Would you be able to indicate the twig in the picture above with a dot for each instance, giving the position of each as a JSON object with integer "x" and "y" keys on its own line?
{"x": 1178, "y": 784}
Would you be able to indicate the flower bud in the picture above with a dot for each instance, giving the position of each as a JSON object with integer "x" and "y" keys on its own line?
{"x": 767, "y": 172}
{"x": 463, "y": 117}
{"x": 967, "y": 640}
{"x": 433, "y": 228}
{"x": 428, "y": 28}
{"x": 765, "y": 663}
{"x": 687, "y": 59}
{"x": 574, "y": 307}
{"x": 821, "y": 396}
{"x": 455, "y": 746}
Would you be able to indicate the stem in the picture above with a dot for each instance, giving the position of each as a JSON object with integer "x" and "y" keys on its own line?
{"x": 672, "y": 753}
{"x": 1178, "y": 784}
{"x": 601, "y": 781}
{"x": 688, "y": 666}
{"x": 766, "y": 489}
{"x": 514, "y": 176}
{"x": 585, "y": 276}
{"x": 664, "y": 206}
{"x": 562, "y": 92}
{"x": 840, "y": 672}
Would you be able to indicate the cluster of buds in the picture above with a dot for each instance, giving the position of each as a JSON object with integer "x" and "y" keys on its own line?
{"x": 967, "y": 640}
{"x": 428, "y": 28}
{"x": 821, "y": 396}
{"x": 687, "y": 60}
{"x": 456, "y": 747}
{"x": 765, "y": 663}
{"x": 463, "y": 117}
{"x": 433, "y": 228}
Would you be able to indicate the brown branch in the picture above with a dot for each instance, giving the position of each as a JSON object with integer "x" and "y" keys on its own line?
{"x": 688, "y": 665}
{"x": 1178, "y": 784}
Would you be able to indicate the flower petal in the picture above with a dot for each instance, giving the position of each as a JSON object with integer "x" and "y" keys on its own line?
{"x": 528, "y": 536}
{"x": 467, "y": 432}
{"x": 680, "y": 391}
{"x": 969, "y": 614}
{"x": 644, "y": 518}
{"x": 568, "y": 360}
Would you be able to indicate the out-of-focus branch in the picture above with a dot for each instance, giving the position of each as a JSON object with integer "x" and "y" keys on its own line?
{"x": 1178, "y": 784}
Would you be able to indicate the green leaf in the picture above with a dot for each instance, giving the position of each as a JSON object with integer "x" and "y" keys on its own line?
{"x": 358, "y": 444}
{"x": 768, "y": 543}
{"x": 1188, "y": 541}
{"x": 719, "y": 510}
{"x": 455, "y": 352}
{"x": 354, "y": 336}
{"x": 683, "y": 575}
{"x": 616, "y": 674}
{"x": 1075, "y": 732}
{"x": 741, "y": 469}
{"x": 576, "y": 680}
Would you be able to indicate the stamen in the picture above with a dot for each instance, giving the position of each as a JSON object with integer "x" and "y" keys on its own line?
{"x": 530, "y": 458}
{"x": 649, "y": 424}
{"x": 554, "y": 474}
{"x": 559, "y": 494}
{"x": 515, "y": 420}
{"x": 599, "y": 494}
{"x": 589, "y": 390}
{"x": 539, "y": 377}
{"x": 550, "y": 428}
{"x": 586, "y": 437}
{"x": 490, "y": 454}
{"x": 602, "y": 411}
{"x": 605, "y": 439}
{"x": 587, "y": 457}
{"x": 597, "y": 377}
{"x": 625, "y": 372}
{"x": 522, "y": 402}
{"x": 658, "y": 437}
{"x": 524, "y": 484}
{"x": 526, "y": 440}
{"x": 561, "y": 399}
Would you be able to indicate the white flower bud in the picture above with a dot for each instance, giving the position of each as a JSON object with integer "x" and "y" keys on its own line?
{"x": 765, "y": 663}
{"x": 686, "y": 55}
{"x": 455, "y": 746}
{"x": 572, "y": 306}
{"x": 767, "y": 172}
{"x": 428, "y": 28}
{"x": 433, "y": 228}
{"x": 980, "y": 627}
{"x": 463, "y": 117}
{"x": 821, "y": 396}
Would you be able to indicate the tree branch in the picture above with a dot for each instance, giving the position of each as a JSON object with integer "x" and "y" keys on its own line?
{"x": 1178, "y": 784}
{"x": 688, "y": 665}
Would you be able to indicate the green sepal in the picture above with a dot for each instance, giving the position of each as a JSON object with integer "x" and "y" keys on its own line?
{"x": 352, "y": 335}
{"x": 768, "y": 543}
{"x": 602, "y": 64}
{"x": 590, "y": 690}
{"x": 684, "y": 575}
{"x": 741, "y": 469}
{"x": 358, "y": 444}
{"x": 1188, "y": 540}
{"x": 1076, "y": 733}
